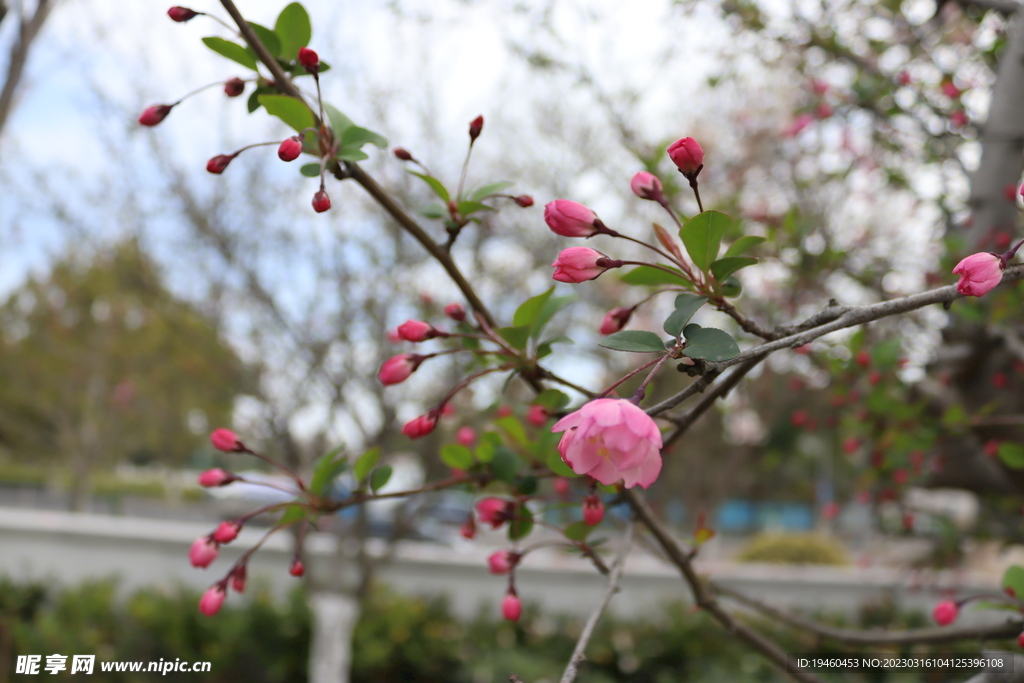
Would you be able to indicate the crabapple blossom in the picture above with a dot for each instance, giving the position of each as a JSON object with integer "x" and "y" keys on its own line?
{"x": 225, "y": 440}
{"x": 203, "y": 552}
{"x": 945, "y": 613}
{"x": 593, "y": 511}
{"x": 687, "y": 155}
{"x": 212, "y": 599}
{"x": 579, "y": 264}
{"x": 979, "y": 274}
{"x": 226, "y": 532}
{"x": 493, "y": 511}
{"x": 570, "y": 219}
{"x": 646, "y": 186}
{"x": 420, "y": 426}
{"x": 615, "y": 319}
{"x": 511, "y": 607}
{"x": 216, "y": 477}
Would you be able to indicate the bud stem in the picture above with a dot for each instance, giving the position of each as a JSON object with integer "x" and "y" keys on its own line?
{"x": 696, "y": 192}
{"x": 1008, "y": 256}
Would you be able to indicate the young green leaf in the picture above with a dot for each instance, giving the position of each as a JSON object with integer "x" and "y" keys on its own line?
{"x": 551, "y": 399}
{"x": 1012, "y": 455}
{"x": 650, "y": 276}
{"x": 702, "y": 236}
{"x": 487, "y": 190}
{"x": 436, "y": 185}
{"x": 634, "y": 341}
{"x": 511, "y": 425}
{"x": 339, "y": 122}
{"x": 233, "y": 51}
{"x": 290, "y": 110}
{"x": 380, "y": 477}
{"x": 268, "y": 38}
{"x": 709, "y": 343}
{"x": 578, "y": 531}
{"x": 505, "y": 464}
{"x": 732, "y": 287}
{"x": 521, "y": 524}
{"x": 548, "y": 311}
{"x": 489, "y": 442}
{"x": 355, "y": 136}
{"x": 1013, "y": 578}
{"x": 366, "y": 462}
{"x": 434, "y": 210}
{"x": 725, "y": 267}
{"x": 686, "y": 306}
{"x": 351, "y": 154}
{"x": 467, "y": 208}
{"x": 528, "y": 311}
{"x": 558, "y": 466}
{"x": 515, "y": 336}
{"x": 293, "y": 513}
{"x": 743, "y": 245}
{"x": 326, "y": 470}
{"x": 310, "y": 170}
{"x": 457, "y": 456}
{"x": 293, "y": 29}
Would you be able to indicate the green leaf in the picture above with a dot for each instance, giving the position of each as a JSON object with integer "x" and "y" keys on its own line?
{"x": 486, "y": 190}
{"x": 233, "y": 51}
{"x": 434, "y": 211}
{"x": 513, "y": 428}
{"x": 290, "y": 110}
{"x": 1013, "y": 578}
{"x": 526, "y": 486}
{"x": 1012, "y": 455}
{"x": 521, "y": 523}
{"x": 489, "y": 442}
{"x": 686, "y": 306}
{"x": 467, "y": 208}
{"x": 635, "y": 341}
{"x": 702, "y": 236}
{"x": 558, "y": 466}
{"x": 326, "y": 470}
{"x": 351, "y": 154}
{"x": 578, "y": 531}
{"x": 254, "y": 98}
{"x": 293, "y": 29}
{"x": 339, "y": 122}
{"x": 436, "y": 185}
{"x": 268, "y": 38}
{"x": 551, "y": 399}
{"x": 709, "y": 343}
{"x": 366, "y": 462}
{"x": 725, "y": 267}
{"x": 380, "y": 477}
{"x": 742, "y": 245}
{"x": 355, "y": 136}
{"x": 732, "y": 287}
{"x": 293, "y": 513}
{"x": 548, "y": 311}
{"x": 457, "y": 456}
{"x": 654, "y": 277}
{"x": 505, "y": 464}
{"x": 310, "y": 170}
{"x": 515, "y": 336}
{"x": 528, "y": 311}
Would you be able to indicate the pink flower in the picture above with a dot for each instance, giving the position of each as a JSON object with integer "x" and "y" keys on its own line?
{"x": 579, "y": 264}
{"x": 593, "y": 511}
{"x": 238, "y": 579}
{"x": 979, "y": 274}
{"x": 203, "y": 552}
{"x": 537, "y": 416}
{"x": 225, "y": 440}
{"x": 397, "y": 369}
{"x": 615, "y": 319}
{"x": 950, "y": 90}
{"x": 212, "y": 599}
{"x": 297, "y": 568}
{"x": 511, "y": 607}
{"x": 959, "y": 118}
{"x": 309, "y": 59}
{"x": 500, "y": 562}
{"x": 226, "y": 532}
{"x": 945, "y": 613}
{"x": 455, "y": 311}
{"x": 155, "y": 114}
{"x": 687, "y": 155}
{"x": 646, "y": 186}
{"x": 570, "y": 219}
{"x": 797, "y": 125}
{"x": 416, "y": 331}
{"x": 420, "y": 426}
{"x": 611, "y": 440}
{"x": 493, "y": 511}
{"x": 216, "y": 477}
{"x": 290, "y": 149}
{"x": 465, "y": 436}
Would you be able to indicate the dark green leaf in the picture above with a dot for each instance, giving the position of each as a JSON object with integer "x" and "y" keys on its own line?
{"x": 527, "y": 485}
{"x": 505, "y": 464}
{"x": 521, "y": 524}
{"x": 686, "y": 306}
{"x": 709, "y": 343}
{"x": 578, "y": 531}
{"x": 732, "y": 287}
{"x": 310, "y": 170}
{"x": 293, "y": 29}
{"x": 515, "y": 336}
{"x": 635, "y": 341}
{"x": 355, "y": 136}
{"x": 467, "y": 208}
{"x": 725, "y": 267}
{"x": 268, "y": 38}
{"x": 339, "y": 122}
{"x": 436, "y": 185}
{"x": 1013, "y": 578}
{"x": 558, "y": 466}
{"x": 742, "y": 245}
{"x": 434, "y": 211}
{"x": 232, "y": 51}
{"x": 366, "y": 462}
{"x": 326, "y": 470}
{"x": 548, "y": 311}
{"x": 290, "y": 110}
{"x": 457, "y": 456}
{"x": 702, "y": 236}
{"x": 380, "y": 477}
{"x": 351, "y": 154}
{"x": 528, "y": 311}
{"x": 254, "y": 98}
{"x": 1012, "y": 455}
{"x": 552, "y": 399}
{"x": 654, "y": 277}
{"x": 489, "y": 190}
{"x": 544, "y": 348}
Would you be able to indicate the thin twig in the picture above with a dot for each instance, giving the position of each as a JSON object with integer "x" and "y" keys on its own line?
{"x": 588, "y": 630}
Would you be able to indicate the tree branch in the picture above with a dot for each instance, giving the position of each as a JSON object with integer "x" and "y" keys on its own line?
{"x": 27, "y": 33}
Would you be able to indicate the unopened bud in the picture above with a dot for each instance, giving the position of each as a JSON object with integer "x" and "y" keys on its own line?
{"x": 234, "y": 87}
{"x": 475, "y": 126}
{"x": 455, "y": 311}
{"x": 218, "y": 163}
{"x": 402, "y": 154}
{"x": 321, "y": 202}
{"x": 290, "y": 149}
{"x": 297, "y": 568}
{"x": 524, "y": 200}
{"x": 309, "y": 59}
{"x": 155, "y": 114}
{"x": 181, "y": 14}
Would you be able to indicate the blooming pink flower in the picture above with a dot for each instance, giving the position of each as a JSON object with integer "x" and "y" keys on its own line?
{"x": 465, "y": 436}
{"x": 500, "y": 562}
{"x": 309, "y": 59}
{"x": 238, "y": 579}
{"x": 455, "y": 311}
{"x": 611, "y": 440}
{"x": 155, "y": 114}
{"x": 979, "y": 274}
{"x": 233, "y": 87}
{"x": 579, "y": 264}
{"x": 493, "y": 511}
{"x": 290, "y": 149}
{"x": 593, "y": 511}
{"x": 420, "y": 426}
{"x": 537, "y": 416}
{"x": 945, "y": 613}
{"x": 416, "y": 331}
{"x": 225, "y": 440}
{"x": 570, "y": 219}
{"x": 212, "y": 599}
{"x": 397, "y": 369}
{"x": 226, "y": 532}
{"x": 203, "y": 552}
{"x": 687, "y": 155}
{"x": 181, "y": 14}
{"x": 511, "y": 607}
{"x": 297, "y": 568}
{"x": 615, "y": 319}
{"x": 646, "y": 186}
{"x": 216, "y": 477}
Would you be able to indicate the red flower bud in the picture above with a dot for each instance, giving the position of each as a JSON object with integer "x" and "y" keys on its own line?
{"x": 500, "y": 562}
{"x": 950, "y": 90}
{"x": 455, "y": 311}
{"x": 468, "y": 528}
{"x": 511, "y": 607}
{"x": 475, "y": 126}
{"x": 863, "y": 359}
{"x": 537, "y": 416}
{"x": 945, "y": 613}
{"x": 234, "y": 87}
{"x": 421, "y": 426}
{"x": 504, "y": 410}
{"x": 321, "y": 202}
{"x": 309, "y": 59}
{"x": 615, "y": 319}
{"x": 579, "y": 264}
{"x": 181, "y": 14}
{"x": 593, "y": 511}
{"x": 218, "y": 163}
{"x": 225, "y": 440}
{"x": 646, "y": 186}
{"x": 216, "y": 477}
{"x": 561, "y": 486}
{"x": 688, "y": 156}
{"x": 212, "y": 599}
{"x": 959, "y": 118}
{"x": 493, "y": 511}
{"x": 204, "y": 551}
{"x": 524, "y": 200}
{"x": 238, "y": 579}
{"x": 397, "y": 369}
{"x": 290, "y": 149}
{"x": 155, "y": 114}
{"x": 829, "y": 510}
{"x": 226, "y": 532}
{"x": 979, "y": 274}
{"x": 297, "y": 568}
{"x": 402, "y": 154}
{"x": 465, "y": 436}
{"x": 570, "y": 219}
{"x": 416, "y": 331}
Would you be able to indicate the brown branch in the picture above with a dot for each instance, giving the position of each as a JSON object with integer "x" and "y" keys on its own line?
{"x": 744, "y": 322}
{"x": 720, "y": 390}
{"x": 27, "y": 33}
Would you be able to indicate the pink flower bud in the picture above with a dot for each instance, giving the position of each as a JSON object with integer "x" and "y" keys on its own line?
{"x": 290, "y": 149}
{"x": 511, "y": 607}
{"x": 570, "y": 219}
{"x": 493, "y": 511}
{"x": 216, "y": 477}
{"x": 155, "y": 114}
{"x": 218, "y": 163}
{"x": 455, "y": 311}
{"x": 979, "y": 274}
{"x": 238, "y": 577}
{"x": 615, "y": 319}
{"x": 797, "y": 125}
{"x": 593, "y": 511}
{"x": 950, "y": 90}
{"x": 687, "y": 155}
{"x": 225, "y": 440}
{"x": 524, "y": 200}
{"x": 321, "y": 202}
{"x": 561, "y": 486}
{"x": 393, "y": 337}
{"x": 945, "y": 613}
{"x": 537, "y": 416}
{"x": 416, "y": 331}
{"x": 475, "y": 127}
{"x": 903, "y": 78}
{"x": 500, "y": 562}
{"x": 579, "y": 264}
{"x": 226, "y": 532}
{"x": 959, "y": 118}
{"x": 297, "y": 568}
{"x": 420, "y": 426}
{"x": 468, "y": 528}
{"x": 397, "y": 369}
{"x": 824, "y": 110}
{"x": 203, "y": 552}
{"x": 646, "y": 186}
{"x": 181, "y": 14}
{"x": 234, "y": 87}
{"x": 212, "y": 599}
{"x": 819, "y": 87}
{"x": 309, "y": 59}
{"x": 402, "y": 154}
{"x": 465, "y": 436}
